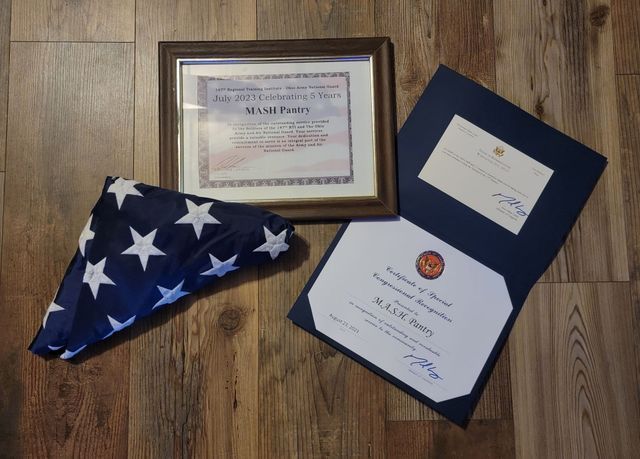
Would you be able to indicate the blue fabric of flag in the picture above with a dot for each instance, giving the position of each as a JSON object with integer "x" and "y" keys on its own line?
{"x": 143, "y": 248}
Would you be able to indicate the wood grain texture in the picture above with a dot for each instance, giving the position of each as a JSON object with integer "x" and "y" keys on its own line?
{"x": 220, "y": 383}
{"x": 460, "y": 35}
{"x": 413, "y": 31}
{"x": 9, "y": 386}
{"x": 436, "y": 439}
{"x": 626, "y": 30}
{"x": 77, "y": 20}
{"x": 70, "y": 124}
{"x": 465, "y": 39}
{"x": 571, "y": 355}
{"x": 1, "y": 210}
{"x": 629, "y": 110}
{"x": 314, "y": 19}
{"x": 207, "y": 403}
{"x": 5, "y": 29}
{"x": 157, "y": 368}
{"x": 555, "y": 60}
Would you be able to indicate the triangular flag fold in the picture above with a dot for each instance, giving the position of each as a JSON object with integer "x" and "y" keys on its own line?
{"x": 145, "y": 247}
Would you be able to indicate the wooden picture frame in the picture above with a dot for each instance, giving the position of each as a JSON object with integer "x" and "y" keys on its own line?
{"x": 304, "y": 128}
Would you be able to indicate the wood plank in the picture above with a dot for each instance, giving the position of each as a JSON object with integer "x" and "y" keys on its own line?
{"x": 157, "y": 367}
{"x": 207, "y": 403}
{"x": 555, "y": 60}
{"x": 626, "y": 35}
{"x": 1, "y": 208}
{"x": 10, "y": 386}
{"x": 314, "y": 19}
{"x": 465, "y": 39}
{"x": 314, "y": 401}
{"x": 79, "y": 20}
{"x": 71, "y": 119}
{"x": 629, "y": 110}
{"x": 413, "y": 438}
{"x": 426, "y": 34}
{"x": 413, "y": 30}
{"x": 1, "y": 212}
{"x": 420, "y": 439}
{"x": 220, "y": 385}
{"x": 461, "y": 36}
{"x": 5, "y": 29}
{"x": 571, "y": 355}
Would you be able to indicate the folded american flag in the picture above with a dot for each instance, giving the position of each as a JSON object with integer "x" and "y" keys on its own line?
{"x": 145, "y": 247}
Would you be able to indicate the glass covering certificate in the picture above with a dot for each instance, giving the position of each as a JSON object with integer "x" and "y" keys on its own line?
{"x": 301, "y": 130}
{"x": 265, "y": 130}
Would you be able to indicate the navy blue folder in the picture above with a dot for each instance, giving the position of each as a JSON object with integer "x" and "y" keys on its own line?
{"x": 521, "y": 259}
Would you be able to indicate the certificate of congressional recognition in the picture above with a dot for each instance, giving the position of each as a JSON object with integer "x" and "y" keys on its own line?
{"x": 405, "y": 306}
{"x": 289, "y": 133}
{"x": 410, "y": 296}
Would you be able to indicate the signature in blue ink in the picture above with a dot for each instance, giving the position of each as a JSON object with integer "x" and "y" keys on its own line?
{"x": 424, "y": 363}
{"x": 512, "y": 202}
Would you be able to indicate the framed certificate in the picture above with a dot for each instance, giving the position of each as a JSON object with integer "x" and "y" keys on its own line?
{"x": 304, "y": 128}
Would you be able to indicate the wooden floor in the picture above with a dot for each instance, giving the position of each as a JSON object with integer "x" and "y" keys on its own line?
{"x": 227, "y": 374}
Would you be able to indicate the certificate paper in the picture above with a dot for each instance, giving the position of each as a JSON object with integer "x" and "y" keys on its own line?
{"x": 404, "y": 318}
{"x": 275, "y": 129}
{"x": 486, "y": 174}
{"x": 260, "y": 131}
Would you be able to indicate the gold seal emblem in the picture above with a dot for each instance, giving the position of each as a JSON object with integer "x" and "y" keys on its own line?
{"x": 430, "y": 264}
{"x": 498, "y": 151}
